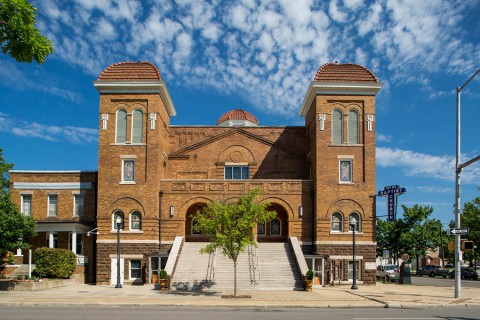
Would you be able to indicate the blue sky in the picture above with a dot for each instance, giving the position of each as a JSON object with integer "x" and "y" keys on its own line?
{"x": 260, "y": 56}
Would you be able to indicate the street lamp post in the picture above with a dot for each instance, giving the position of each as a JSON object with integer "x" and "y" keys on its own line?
{"x": 458, "y": 169}
{"x": 118, "y": 222}
{"x": 353, "y": 226}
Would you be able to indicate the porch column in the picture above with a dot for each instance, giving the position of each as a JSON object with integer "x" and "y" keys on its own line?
{"x": 50, "y": 239}
{"x": 74, "y": 242}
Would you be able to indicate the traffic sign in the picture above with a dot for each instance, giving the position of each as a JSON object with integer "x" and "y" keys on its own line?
{"x": 459, "y": 231}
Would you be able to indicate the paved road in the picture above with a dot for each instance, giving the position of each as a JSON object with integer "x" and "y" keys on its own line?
{"x": 440, "y": 282}
{"x": 221, "y": 313}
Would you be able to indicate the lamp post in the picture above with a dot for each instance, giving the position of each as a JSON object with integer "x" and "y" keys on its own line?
{"x": 458, "y": 169}
{"x": 118, "y": 222}
{"x": 353, "y": 226}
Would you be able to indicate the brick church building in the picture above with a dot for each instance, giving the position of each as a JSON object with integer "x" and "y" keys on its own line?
{"x": 319, "y": 178}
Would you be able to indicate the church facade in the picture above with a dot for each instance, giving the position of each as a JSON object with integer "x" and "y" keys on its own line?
{"x": 319, "y": 178}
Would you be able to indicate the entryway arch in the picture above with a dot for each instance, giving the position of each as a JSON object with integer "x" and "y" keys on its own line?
{"x": 275, "y": 230}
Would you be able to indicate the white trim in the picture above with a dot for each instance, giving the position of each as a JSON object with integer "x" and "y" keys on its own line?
{"x": 346, "y": 157}
{"x": 61, "y": 227}
{"x": 133, "y": 156}
{"x": 49, "y": 196}
{"x": 130, "y": 222}
{"x": 346, "y": 258}
{"x": 128, "y": 256}
{"x": 130, "y": 241}
{"x": 123, "y": 181}
{"x": 340, "y": 160}
{"x": 25, "y": 192}
{"x": 82, "y": 213}
{"x": 52, "y": 185}
{"x": 156, "y": 86}
{"x": 337, "y": 88}
{"x": 22, "y": 195}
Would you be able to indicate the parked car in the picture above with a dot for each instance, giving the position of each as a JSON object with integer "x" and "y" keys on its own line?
{"x": 465, "y": 273}
{"x": 388, "y": 272}
{"x": 433, "y": 271}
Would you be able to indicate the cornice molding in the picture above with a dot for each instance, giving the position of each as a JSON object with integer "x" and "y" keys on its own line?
{"x": 337, "y": 88}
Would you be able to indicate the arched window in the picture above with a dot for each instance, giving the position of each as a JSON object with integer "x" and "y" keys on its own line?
{"x": 275, "y": 227}
{"x": 354, "y": 219}
{"x": 195, "y": 229}
{"x": 137, "y": 126}
{"x": 337, "y": 127}
{"x": 353, "y": 127}
{"x": 261, "y": 228}
{"x": 135, "y": 221}
{"x": 337, "y": 222}
{"x": 114, "y": 220}
{"x": 121, "y": 126}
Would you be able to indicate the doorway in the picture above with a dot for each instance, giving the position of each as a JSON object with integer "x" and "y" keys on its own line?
{"x": 317, "y": 264}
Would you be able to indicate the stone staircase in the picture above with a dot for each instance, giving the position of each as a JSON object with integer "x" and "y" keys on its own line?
{"x": 270, "y": 266}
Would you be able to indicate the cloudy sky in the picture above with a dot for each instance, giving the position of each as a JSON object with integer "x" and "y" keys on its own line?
{"x": 260, "y": 56}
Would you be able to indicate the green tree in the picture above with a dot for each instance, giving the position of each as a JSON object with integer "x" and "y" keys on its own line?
{"x": 18, "y": 36}
{"x": 470, "y": 218}
{"x": 230, "y": 225}
{"x": 415, "y": 233}
{"x": 15, "y": 230}
{"x": 422, "y": 233}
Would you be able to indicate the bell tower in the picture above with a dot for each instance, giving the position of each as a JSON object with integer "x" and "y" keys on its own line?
{"x": 339, "y": 111}
{"x": 135, "y": 111}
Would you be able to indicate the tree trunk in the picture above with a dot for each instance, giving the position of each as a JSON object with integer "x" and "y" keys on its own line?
{"x": 235, "y": 277}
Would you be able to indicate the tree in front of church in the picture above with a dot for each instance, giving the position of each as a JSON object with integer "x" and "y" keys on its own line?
{"x": 230, "y": 225}
{"x": 18, "y": 36}
{"x": 15, "y": 229}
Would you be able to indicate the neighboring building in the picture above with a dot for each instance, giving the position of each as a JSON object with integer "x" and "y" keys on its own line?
{"x": 319, "y": 177}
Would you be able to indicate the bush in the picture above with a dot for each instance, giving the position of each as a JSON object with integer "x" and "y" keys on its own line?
{"x": 54, "y": 263}
{"x": 163, "y": 274}
{"x": 309, "y": 275}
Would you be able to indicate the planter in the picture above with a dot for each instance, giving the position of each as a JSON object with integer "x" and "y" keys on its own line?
{"x": 154, "y": 278}
{"x": 308, "y": 285}
{"x": 163, "y": 284}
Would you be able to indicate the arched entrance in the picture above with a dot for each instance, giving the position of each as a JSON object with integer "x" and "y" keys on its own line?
{"x": 192, "y": 234}
{"x": 275, "y": 230}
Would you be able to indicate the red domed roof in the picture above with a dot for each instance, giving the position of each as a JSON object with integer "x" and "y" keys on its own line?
{"x": 130, "y": 71}
{"x": 238, "y": 114}
{"x": 344, "y": 72}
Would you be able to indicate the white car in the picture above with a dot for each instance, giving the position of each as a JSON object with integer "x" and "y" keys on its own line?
{"x": 390, "y": 271}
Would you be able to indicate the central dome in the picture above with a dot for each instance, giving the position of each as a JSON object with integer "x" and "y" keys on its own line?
{"x": 237, "y": 118}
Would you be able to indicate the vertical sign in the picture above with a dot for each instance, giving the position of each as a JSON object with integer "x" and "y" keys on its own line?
{"x": 391, "y": 192}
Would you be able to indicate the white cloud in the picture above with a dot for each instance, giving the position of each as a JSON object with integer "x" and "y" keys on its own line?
{"x": 383, "y": 137}
{"x": 424, "y": 165}
{"x": 433, "y": 189}
{"x": 266, "y": 51}
{"x": 18, "y": 127}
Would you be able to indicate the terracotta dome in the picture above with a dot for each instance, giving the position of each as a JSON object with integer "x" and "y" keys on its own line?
{"x": 344, "y": 72}
{"x": 130, "y": 71}
{"x": 237, "y": 117}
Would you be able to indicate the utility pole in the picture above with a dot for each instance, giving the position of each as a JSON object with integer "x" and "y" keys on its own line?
{"x": 458, "y": 169}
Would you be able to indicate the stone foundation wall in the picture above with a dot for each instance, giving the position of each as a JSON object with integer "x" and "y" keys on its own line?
{"x": 340, "y": 254}
{"x": 128, "y": 251}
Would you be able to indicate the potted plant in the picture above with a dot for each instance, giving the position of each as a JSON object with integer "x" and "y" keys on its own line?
{"x": 163, "y": 275}
{"x": 309, "y": 280}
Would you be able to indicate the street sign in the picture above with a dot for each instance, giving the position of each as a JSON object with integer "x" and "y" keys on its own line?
{"x": 459, "y": 231}
{"x": 391, "y": 192}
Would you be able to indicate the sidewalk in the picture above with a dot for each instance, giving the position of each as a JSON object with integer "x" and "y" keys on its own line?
{"x": 379, "y": 296}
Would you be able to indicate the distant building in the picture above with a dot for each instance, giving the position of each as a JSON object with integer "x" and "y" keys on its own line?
{"x": 319, "y": 177}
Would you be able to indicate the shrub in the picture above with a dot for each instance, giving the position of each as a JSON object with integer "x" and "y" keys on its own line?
{"x": 54, "y": 263}
{"x": 163, "y": 274}
{"x": 309, "y": 275}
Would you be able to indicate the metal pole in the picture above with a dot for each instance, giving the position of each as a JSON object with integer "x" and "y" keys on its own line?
{"x": 354, "y": 284}
{"x": 458, "y": 284}
{"x": 118, "y": 285}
